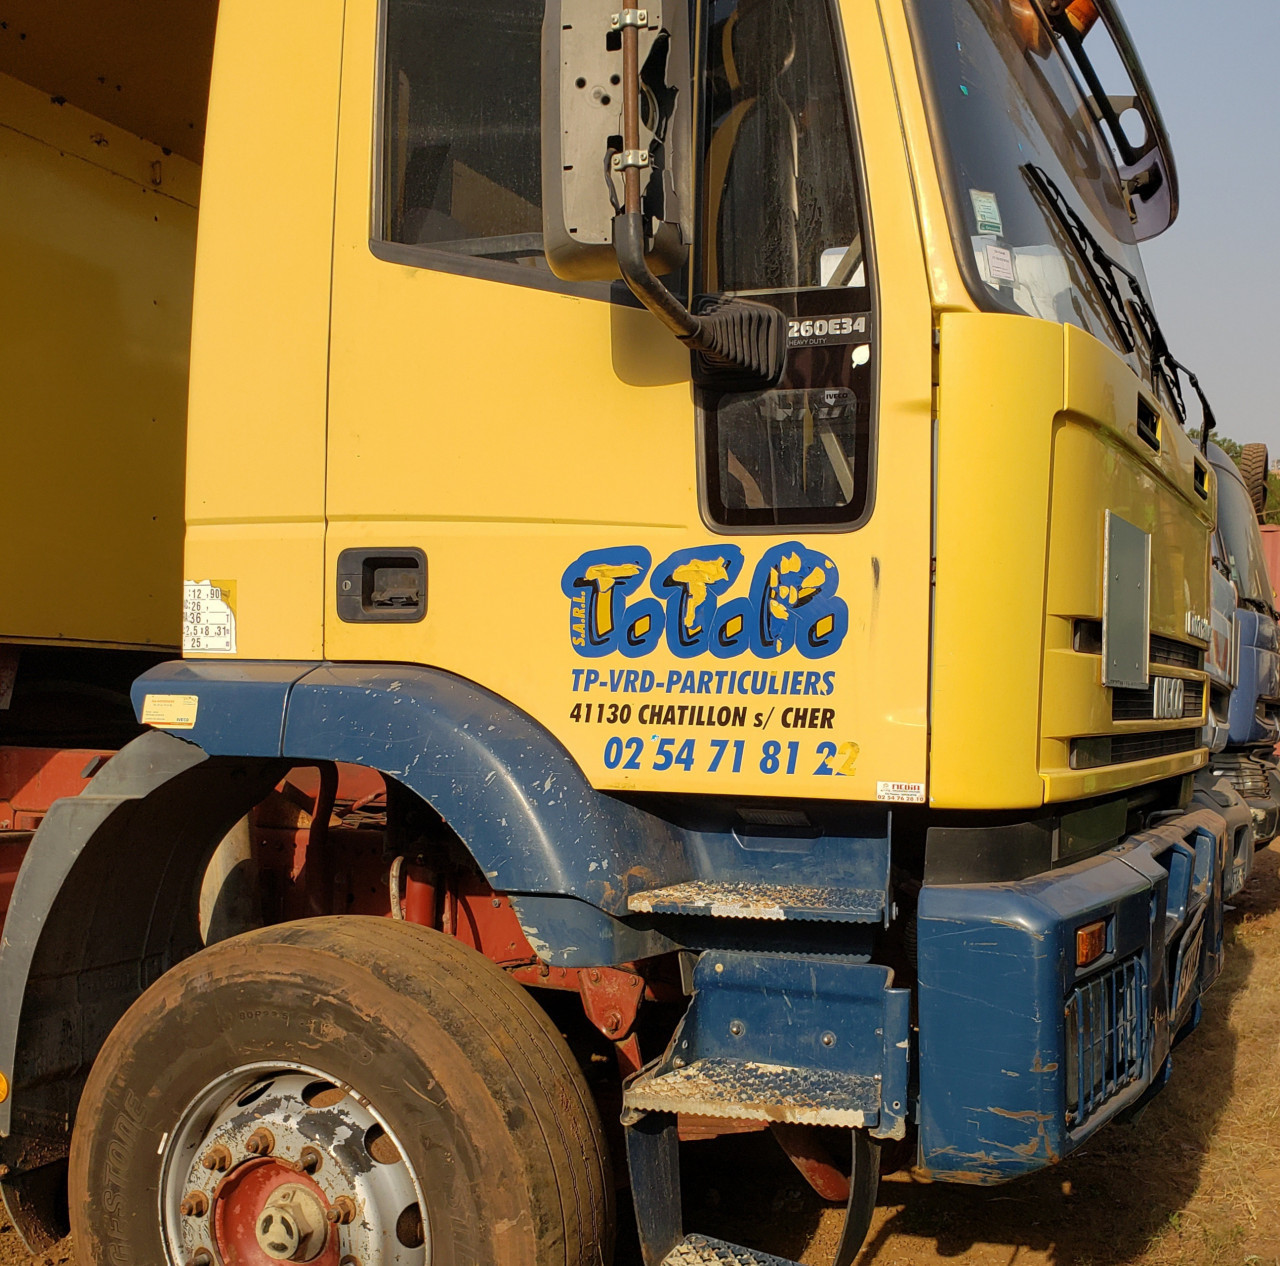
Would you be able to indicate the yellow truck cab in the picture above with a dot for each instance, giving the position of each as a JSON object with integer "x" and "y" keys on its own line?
{"x": 689, "y": 507}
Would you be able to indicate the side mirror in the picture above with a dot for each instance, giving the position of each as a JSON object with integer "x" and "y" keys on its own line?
{"x": 583, "y": 157}
{"x": 1099, "y": 43}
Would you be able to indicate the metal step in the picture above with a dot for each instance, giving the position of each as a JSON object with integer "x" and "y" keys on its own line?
{"x": 759, "y": 1092}
{"x": 762, "y": 901}
{"x": 698, "y": 1250}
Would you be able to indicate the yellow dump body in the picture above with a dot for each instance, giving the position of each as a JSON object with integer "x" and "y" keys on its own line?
{"x": 97, "y": 245}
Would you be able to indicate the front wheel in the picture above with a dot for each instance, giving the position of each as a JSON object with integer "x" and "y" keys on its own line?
{"x": 345, "y": 1092}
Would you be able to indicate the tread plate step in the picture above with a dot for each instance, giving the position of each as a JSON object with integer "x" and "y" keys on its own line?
{"x": 699, "y": 1250}
{"x": 759, "y": 1092}
{"x": 761, "y": 901}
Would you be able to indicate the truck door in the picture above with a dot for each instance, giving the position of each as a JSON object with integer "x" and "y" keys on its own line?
{"x": 695, "y": 590}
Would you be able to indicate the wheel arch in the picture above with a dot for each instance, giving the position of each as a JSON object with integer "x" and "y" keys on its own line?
{"x": 504, "y": 784}
{"x": 108, "y": 900}
{"x": 105, "y": 903}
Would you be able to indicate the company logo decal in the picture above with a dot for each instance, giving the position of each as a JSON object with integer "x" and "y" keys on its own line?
{"x": 790, "y": 602}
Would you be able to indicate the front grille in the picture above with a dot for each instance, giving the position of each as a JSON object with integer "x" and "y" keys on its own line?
{"x": 1247, "y": 776}
{"x": 1139, "y": 705}
{"x": 1120, "y": 749}
{"x": 1106, "y": 1037}
{"x": 1167, "y": 650}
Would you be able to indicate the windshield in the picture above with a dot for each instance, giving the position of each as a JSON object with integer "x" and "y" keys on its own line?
{"x": 1238, "y": 528}
{"x": 1004, "y": 103}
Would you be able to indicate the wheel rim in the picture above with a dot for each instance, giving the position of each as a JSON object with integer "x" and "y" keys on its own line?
{"x": 271, "y": 1164}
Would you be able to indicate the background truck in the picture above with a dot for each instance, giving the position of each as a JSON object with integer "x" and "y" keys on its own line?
{"x": 688, "y": 512}
{"x": 1247, "y": 757}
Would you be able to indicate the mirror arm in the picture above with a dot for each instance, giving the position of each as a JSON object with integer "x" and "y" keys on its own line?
{"x": 745, "y": 339}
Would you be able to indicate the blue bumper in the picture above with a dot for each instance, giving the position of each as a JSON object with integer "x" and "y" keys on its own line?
{"x": 1023, "y": 1055}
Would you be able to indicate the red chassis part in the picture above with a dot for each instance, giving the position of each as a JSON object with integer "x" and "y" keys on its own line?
{"x": 310, "y": 866}
{"x": 31, "y": 779}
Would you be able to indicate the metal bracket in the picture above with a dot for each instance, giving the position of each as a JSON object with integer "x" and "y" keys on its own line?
{"x": 629, "y": 158}
{"x": 640, "y": 18}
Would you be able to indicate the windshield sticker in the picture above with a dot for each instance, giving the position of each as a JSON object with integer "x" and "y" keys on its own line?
{"x": 986, "y": 211}
{"x": 1000, "y": 264}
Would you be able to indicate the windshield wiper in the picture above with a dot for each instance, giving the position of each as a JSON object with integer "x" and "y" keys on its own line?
{"x": 1105, "y": 271}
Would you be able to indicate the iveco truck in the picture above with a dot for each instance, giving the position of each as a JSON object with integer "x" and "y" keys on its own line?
{"x": 571, "y": 570}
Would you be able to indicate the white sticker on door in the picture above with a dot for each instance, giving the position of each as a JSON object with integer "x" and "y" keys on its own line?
{"x": 208, "y": 617}
{"x": 901, "y": 792}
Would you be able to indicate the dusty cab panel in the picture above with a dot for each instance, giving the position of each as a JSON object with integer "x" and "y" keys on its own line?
{"x": 561, "y": 481}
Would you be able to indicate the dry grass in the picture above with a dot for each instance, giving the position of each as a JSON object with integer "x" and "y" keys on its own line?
{"x": 1196, "y": 1182}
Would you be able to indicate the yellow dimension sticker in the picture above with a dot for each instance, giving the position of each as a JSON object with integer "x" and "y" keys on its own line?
{"x": 172, "y": 712}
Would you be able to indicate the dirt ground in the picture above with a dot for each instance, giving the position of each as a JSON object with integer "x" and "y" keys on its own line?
{"x": 1195, "y": 1182}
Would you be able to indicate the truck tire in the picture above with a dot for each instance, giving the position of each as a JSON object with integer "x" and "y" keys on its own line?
{"x": 339, "y": 1090}
{"x": 1253, "y": 470}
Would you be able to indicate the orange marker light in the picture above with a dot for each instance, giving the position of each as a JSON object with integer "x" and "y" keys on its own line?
{"x": 1091, "y": 943}
{"x": 4, "y": 1087}
{"x": 1082, "y": 14}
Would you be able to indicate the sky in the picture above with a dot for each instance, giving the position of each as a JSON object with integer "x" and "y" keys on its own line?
{"x": 1215, "y": 274}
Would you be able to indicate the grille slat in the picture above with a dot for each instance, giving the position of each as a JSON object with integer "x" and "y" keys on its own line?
{"x": 1168, "y": 650}
{"x": 1107, "y": 1035}
{"x": 1127, "y": 747}
{"x": 1120, "y": 749}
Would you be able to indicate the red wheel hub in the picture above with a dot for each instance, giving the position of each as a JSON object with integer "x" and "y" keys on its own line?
{"x": 240, "y": 1202}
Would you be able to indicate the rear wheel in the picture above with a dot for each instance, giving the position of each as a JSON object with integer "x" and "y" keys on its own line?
{"x": 345, "y": 1092}
{"x": 1253, "y": 470}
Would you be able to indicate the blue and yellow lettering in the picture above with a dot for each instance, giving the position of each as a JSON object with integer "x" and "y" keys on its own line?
{"x": 600, "y": 619}
{"x": 792, "y": 604}
{"x": 691, "y": 581}
{"x": 793, "y": 593}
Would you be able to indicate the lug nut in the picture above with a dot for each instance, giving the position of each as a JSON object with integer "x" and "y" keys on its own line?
{"x": 309, "y": 1161}
{"x": 217, "y": 1158}
{"x": 194, "y": 1205}
{"x": 201, "y": 1257}
{"x": 342, "y": 1211}
{"x": 261, "y": 1142}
